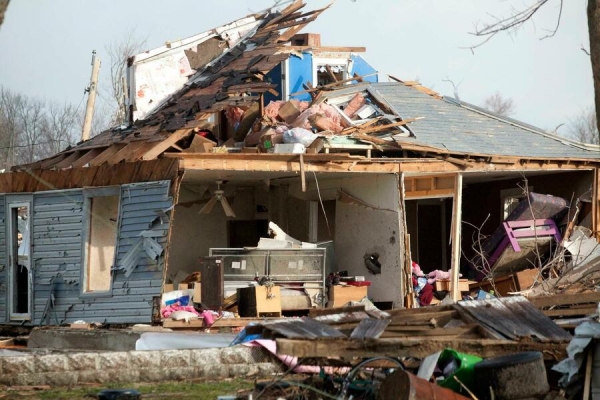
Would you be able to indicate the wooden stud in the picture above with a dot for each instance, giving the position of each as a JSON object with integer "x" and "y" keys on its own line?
{"x": 106, "y": 154}
{"x": 164, "y": 145}
{"x": 125, "y": 152}
{"x": 86, "y": 158}
{"x": 302, "y": 173}
{"x": 68, "y": 160}
{"x": 456, "y": 236}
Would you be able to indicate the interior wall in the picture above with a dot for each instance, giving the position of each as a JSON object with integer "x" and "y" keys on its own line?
{"x": 194, "y": 233}
{"x": 360, "y": 230}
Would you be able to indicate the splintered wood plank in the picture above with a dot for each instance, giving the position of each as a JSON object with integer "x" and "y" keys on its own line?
{"x": 54, "y": 160}
{"x": 370, "y": 328}
{"x": 106, "y": 154}
{"x": 317, "y": 312}
{"x": 164, "y": 145}
{"x": 305, "y": 328}
{"x": 565, "y": 299}
{"x": 569, "y": 312}
{"x": 292, "y": 8}
{"x": 413, "y": 347}
{"x": 66, "y": 162}
{"x": 87, "y": 157}
{"x": 125, "y": 152}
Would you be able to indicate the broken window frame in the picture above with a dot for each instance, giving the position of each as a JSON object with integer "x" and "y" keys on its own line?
{"x": 14, "y": 203}
{"x": 512, "y": 194}
{"x": 88, "y": 196}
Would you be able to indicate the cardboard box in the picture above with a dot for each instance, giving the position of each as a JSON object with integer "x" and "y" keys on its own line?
{"x": 288, "y": 112}
{"x": 200, "y": 144}
{"x": 268, "y": 141}
{"x": 340, "y": 295}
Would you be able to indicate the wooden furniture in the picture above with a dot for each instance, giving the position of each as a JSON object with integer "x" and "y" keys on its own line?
{"x": 516, "y": 282}
{"x": 211, "y": 269}
{"x": 259, "y": 301}
{"x": 340, "y": 295}
{"x": 463, "y": 285}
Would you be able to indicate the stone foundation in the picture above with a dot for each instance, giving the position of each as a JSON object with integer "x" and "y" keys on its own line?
{"x": 136, "y": 366}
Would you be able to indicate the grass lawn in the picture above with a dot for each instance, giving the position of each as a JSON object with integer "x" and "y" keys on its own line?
{"x": 171, "y": 390}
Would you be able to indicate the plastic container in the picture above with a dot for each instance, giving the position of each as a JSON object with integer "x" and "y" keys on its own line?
{"x": 464, "y": 370}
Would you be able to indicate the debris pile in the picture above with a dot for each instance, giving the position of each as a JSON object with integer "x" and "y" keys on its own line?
{"x": 353, "y": 352}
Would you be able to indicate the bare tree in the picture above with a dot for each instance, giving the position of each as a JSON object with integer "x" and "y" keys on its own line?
{"x": 518, "y": 17}
{"x": 32, "y": 129}
{"x": 500, "y": 105}
{"x": 119, "y": 53}
{"x": 584, "y": 127}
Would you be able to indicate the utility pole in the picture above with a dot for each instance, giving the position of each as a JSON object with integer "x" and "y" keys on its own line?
{"x": 91, "y": 90}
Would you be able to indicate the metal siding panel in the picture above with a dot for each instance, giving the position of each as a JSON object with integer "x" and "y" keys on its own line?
{"x": 58, "y": 223}
{"x": 56, "y": 248}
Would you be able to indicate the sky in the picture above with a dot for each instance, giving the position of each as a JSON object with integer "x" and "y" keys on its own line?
{"x": 46, "y": 45}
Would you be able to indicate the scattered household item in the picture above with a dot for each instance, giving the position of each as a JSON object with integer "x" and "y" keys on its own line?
{"x": 259, "y": 301}
{"x": 402, "y": 385}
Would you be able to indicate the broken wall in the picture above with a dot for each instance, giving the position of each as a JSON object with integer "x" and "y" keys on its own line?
{"x": 360, "y": 230}
{"x": 57, "y": 244}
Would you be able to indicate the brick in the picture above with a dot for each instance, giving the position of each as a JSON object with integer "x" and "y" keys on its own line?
{"x": 144, "y": 359}
{"x": 51, "y": 363}
{"x": 27, "y": 379}
{"x": 151, "y": 374}
{"x": 82, "y": 361}
{"x": 92, "y": 377}
{"x": 179, "y": 374}
{"x": 200, "y": 357}
{"x": 61, "y": 378}
{"x": 118, "y": 360}
{"x": 125, "y": 375}
{"x": 175, "y": 358}
{"x": 18, "y": 365}
{"x": 236, "y": 355}
{"x": 213, "y": 371}
{"x": 239, "y": 370}
{"x": 268, "y": 369}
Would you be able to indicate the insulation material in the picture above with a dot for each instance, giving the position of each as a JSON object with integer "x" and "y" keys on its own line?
{"x": 322, "y": 109}
{"x": 354, "y": 105}
{"x": 272, "y": 109}
{"x": 234, "y": 116}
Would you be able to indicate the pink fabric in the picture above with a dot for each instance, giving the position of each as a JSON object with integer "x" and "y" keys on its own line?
{"x": 439, "y": 275}
{"x": 209, "y": 318}
{"x": 168, "y": 310}
{"x": 292, "y": 362}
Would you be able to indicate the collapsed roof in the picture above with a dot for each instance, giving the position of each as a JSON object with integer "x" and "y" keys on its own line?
{"x": 229, "y": 68}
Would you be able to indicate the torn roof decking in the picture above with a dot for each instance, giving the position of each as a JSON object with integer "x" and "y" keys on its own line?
{"x": 465, "y": 136}
{"x": 223, "y": 83}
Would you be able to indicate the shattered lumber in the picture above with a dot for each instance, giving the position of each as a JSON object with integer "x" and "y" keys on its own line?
{"x": 413, "y": 347}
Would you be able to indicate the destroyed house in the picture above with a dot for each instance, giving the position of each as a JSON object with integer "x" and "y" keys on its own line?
{"x": 253, "y": 123}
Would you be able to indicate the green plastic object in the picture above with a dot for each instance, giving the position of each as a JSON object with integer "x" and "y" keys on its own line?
{"x": 464, "y": 372}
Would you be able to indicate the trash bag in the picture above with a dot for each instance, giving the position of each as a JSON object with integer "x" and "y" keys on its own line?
{"x": 299, "y": 135}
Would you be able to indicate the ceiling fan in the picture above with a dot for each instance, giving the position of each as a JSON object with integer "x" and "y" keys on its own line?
{"x": 219, "y": 195}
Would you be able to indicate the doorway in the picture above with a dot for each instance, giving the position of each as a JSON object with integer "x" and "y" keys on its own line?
{"x": 20, "y": 283}
{"x": 429, "y": 225}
